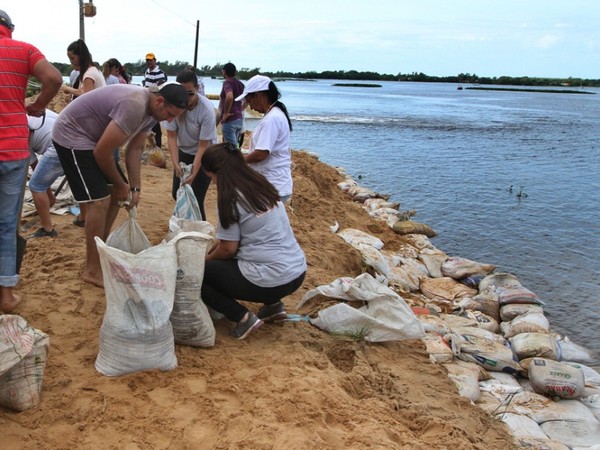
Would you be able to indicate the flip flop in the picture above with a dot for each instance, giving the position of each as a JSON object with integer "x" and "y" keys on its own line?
{"x": 78, "y": 222}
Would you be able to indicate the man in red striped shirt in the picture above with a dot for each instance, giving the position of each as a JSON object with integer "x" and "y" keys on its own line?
{"x": 18, "y": 60}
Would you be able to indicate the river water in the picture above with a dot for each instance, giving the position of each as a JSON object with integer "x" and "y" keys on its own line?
{"x": 460, "y": 158}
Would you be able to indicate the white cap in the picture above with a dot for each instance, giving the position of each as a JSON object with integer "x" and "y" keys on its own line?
{"x": 255, "y": 84}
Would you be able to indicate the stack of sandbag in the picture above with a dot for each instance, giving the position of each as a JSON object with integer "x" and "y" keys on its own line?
{"x": 23, "y": 352}
{"x": 378, "y": 207}
{"x": 190, "y": 318}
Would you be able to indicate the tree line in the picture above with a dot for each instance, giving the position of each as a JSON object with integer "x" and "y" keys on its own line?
{"x": 172, "y": 69}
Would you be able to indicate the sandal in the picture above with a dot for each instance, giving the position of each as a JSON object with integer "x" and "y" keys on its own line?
{"x": 78, "y": 222}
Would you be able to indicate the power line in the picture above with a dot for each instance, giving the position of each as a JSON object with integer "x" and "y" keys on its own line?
{"x": 175, "y": 14}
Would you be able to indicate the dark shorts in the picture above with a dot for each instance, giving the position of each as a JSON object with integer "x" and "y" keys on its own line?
{"x": 87, "y": 182}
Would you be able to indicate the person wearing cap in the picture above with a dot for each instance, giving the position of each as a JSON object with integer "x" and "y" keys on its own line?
{"x": 85, "y": 135}
{"x": 154, "y": 77}
{"x": 18, "y": 61}
{"x": 189, "y": 136}
{"x": 231, "y": 115}
{"x": 270, "y": 152}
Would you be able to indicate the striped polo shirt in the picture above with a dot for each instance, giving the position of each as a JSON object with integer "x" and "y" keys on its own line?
{"x": 17, "y": 60}
{"x": 156, "y": 77}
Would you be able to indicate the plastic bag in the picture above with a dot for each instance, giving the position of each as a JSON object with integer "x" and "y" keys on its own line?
{"x": 186, "y": 204}
{"x": 129, "y": 236}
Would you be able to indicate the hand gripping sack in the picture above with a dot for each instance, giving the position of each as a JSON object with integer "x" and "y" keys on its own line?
{"x": 136, "y": 333}
{"x": 186, "y": 204}
{"x": 23, "y": 351}
{"x": 129, "y": 236}
{"x": 191, "y": 321}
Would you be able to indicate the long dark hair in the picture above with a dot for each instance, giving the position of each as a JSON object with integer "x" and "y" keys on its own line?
{"x": 79, "y": 48}
{"x": 273, "y": 95}
{"x": 237, "y": 183}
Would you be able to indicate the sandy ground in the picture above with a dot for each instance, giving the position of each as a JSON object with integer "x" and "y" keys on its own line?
{"x": 288, "y": 386}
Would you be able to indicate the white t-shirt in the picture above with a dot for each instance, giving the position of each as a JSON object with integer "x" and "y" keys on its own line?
{"x": 111, "y": 79}
{"x": 94, "y": 74}
{"x": 268, "y": 254}
{"x": 273, "y": 134}
{"x": 194, "y": 126}
{"x": 41, "y": 139}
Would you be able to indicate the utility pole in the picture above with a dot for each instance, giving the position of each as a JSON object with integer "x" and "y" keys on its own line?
{"x": 87, "y": 10}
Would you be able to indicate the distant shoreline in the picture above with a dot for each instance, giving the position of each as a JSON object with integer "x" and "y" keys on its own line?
{"x": 550, "y": 91}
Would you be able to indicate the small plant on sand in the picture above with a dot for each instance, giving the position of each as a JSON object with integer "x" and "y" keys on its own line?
{"x": 358, "y": 334}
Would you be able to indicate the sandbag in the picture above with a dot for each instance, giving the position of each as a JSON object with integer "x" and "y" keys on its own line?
{"x": 351, "y": 236}
{"x": 483, "y": 320}
{"x": 190, "y": 318}
{"x": 510, "y": 311}
{"x": 438, "y": 349}
{"x": 488, "y": 306}
{"x": 433, "y": 260}
{"x": 385, "y": 316}
{"x": 129, "y": 236}
{"x": 499, "y": 280}
{"x": 466, "y": 378}
{"x": 445, "y": 288}
{"x": 517, "y": 294}
{"x": 489, "y": 354}
{"x": 570, "y": 351}
{"x": 527, "y": 345}
{"x": 410, "y": 227}
{"x": 574, "y": 433}
{"x": 457, "y": 268}
{"x": 23, "y": 353}
{"x": 136, "y": 333}
{"x": 556, "y": 379}
{"x": 526, "y": 323}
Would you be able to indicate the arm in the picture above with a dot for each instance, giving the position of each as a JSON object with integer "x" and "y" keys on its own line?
{"x": 256, "y": 156}
{"x": 202, "y": 146}
{"x": 51, "y": 80}
{"x": 223, "y": 250}
{"x": 112, "y": 138}
{"x": 174, "y": 151}
{"x": 88, "y": 85}
{"x": 133, "y": 162}
{"x": 227, "y": 106}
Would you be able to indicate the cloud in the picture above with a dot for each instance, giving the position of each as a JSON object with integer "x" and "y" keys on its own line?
{"x": 548, "y": 41}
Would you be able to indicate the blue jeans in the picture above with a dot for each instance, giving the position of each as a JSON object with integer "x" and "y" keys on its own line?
{"x": 231, "y": 130}
{"x": 12, "y": 177}
{"x": 46, "y": 172}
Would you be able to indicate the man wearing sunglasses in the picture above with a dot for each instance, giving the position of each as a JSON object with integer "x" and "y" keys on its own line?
{"x": 18, "y": 60}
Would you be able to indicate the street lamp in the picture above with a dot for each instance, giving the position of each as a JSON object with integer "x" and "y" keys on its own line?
{"x": 85, "y": 10}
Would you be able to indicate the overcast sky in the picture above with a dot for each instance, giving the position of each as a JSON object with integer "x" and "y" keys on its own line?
{"x": 539, "y": 38}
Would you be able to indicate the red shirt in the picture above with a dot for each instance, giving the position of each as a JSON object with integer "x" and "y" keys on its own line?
{"x": 17, "y": 60}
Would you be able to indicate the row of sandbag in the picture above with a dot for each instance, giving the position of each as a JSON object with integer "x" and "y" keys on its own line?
{"x": 479, "y": 306}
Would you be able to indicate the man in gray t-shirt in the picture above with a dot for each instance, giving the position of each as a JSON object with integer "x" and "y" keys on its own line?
{"x": 85, "y": 135}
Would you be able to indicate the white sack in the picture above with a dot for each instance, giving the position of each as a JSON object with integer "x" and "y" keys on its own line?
{"x": 22, "y": 368}
{"x": 129, "y": 236}
{"x": 186, "y": 204}
{"x": 385, "y": 317}
{"x": 136, "y": 333}
{"x": 556, "y": 379}
{"x": 192, "y": 324}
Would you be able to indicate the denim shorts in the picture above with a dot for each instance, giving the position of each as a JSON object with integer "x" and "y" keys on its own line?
{"x": 46, "y": 172}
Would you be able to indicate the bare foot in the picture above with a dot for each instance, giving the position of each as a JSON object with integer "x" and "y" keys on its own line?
{"x": 94, "y": 279}
{"x": 8, "y": 300}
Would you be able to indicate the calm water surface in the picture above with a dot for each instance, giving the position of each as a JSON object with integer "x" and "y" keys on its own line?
{"x": 460, "y": 157}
